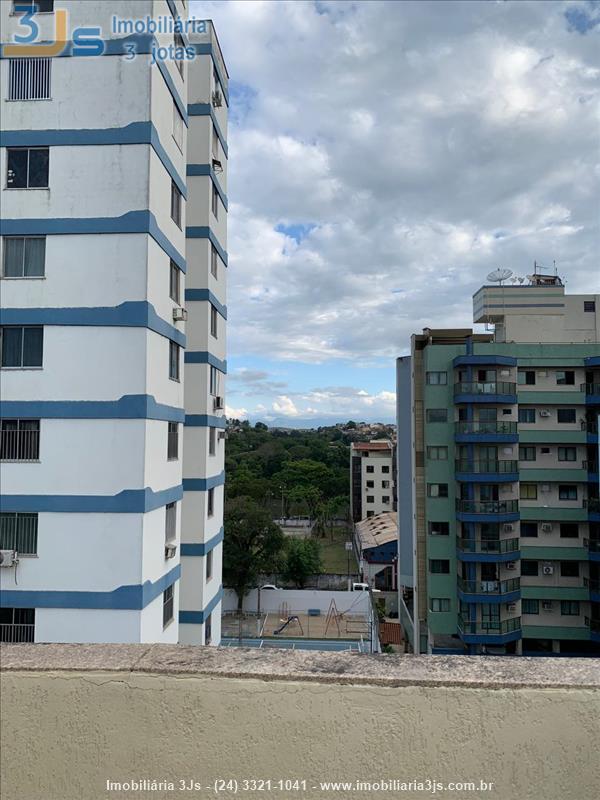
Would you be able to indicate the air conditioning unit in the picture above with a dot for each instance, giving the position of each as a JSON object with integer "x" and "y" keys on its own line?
{"x": 511, "y": 607}
{"x": 547, "y": 527}
{"x": 219, "y": 403}
{"x": 547, "y": 569}
{"x": 543, "y": 412}
{"x": 179, "y": 314}
{"x": 222, "y": 434}
{"x": 511, "y": 565}
{"x": 217, "y": 99}
{"x": 547, "y": 605}
{"x": 508, "y": 527}
{"x": 8, "y": 558}
{"x": 170, "y": 550}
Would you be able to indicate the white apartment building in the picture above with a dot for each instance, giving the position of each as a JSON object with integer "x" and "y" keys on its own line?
{"x": 114, "y": 237}
{"x": 372, "y": 478}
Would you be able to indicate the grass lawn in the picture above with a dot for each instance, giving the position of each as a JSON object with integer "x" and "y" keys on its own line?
{"x": 334, "y": 556}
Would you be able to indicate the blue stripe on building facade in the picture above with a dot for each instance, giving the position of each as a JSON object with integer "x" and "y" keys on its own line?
{"x": 132, "y": 406}
{"x": 129, "y": 501}
{"x": 133, "y": 597}
{"x": 204, "y": 421}
{"x": 202, "y": 548}
{"x": 192, "y": 295}
{"x": 206, "y": 110}
{"x": 199, "y": 617}
{"x": 204, "y": 232}
{"x": 203, "y": 484}
{"x": 206, "y": 170}
{"x": 134, "y": 133}
{"x": 131, "y": 222}
{"x": 131, "y": 314}
{"x": 203, "y": 357}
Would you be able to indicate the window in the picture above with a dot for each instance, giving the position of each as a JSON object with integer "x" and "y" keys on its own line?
{"x": 27, "y": 167}
{"x": 488, "y": 414}
{"x": 526, "y": 453}
{"x": 29, "y": 78}
{"x": 215, "y": 202}
{"x": 439, "y": 566}
{"x": 170, "y": 522}
{"x": 545, "y": 451}
{"x": 529, "y": 530}
{"x": 530, "y": 606}
{"x": 370, "y": 513}
{"x": 527, "y": 415}
{"x": 439, "y": 604}
{"x": 177, "y": 127}
{"x": 210, "y": 502}
{"x": 529, "y": 568}
{"x": 168, "y": 605}
{"x": 43, "y": 6}
{"x": 212, "y": 441}
{"x": 385, "y": 499}
{"x": 565, "y": 377}
{"x": 24, "y": 256}
{"x": 567, "y": 491}
{"x": 370, "y": 468}
{"x": 213, "y": 321}
{"x": 214, "y": 266}
{"x": 209, "y": 565}
{"x": 22, "y": 346}
{"x": 436, "y": 378}
{"x": 215, "y": 143}
{"x": 173, "y": 441}
{"x": 569, "y": 530}
{"x": 567, "y": 453}
{"x": 20, "y": 440}
{"x": 437, "y": 453}
{"x": 569, "y": 569}
{"x": 19, "y": 532}
{"x": 569, "y": 608}
{"x": 526, "y": 377}
{"x": 385, "y": 484}
{"x": 437, "y": 490}
{"x": 439, "y": 528}
{"x": 17, "y": 625}
{"x": 370, "y": 498}
{"x": 175, "y": 204}
{"x": 208, "y": 630}
{"x": 589, "y": 305}
{"x": 214, "y": 382}
{"x": 179, "y": 51}
{"x": 173, "y": 361}
{"x": 370, "y": 484}
{"x": 385, "y": 469}
{"x": 528, "y": 491}
{"x": 506, "y": 412}
{"x": 566, "y": 415}
{"x": 174, "y": 282}
{"x": 437, "y": 415}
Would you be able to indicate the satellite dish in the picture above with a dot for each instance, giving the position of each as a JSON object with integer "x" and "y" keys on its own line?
{"x": 521, "y": 280}
{"x": 499, "y": 275}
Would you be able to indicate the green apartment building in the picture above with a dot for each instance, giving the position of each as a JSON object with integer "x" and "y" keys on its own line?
{"x": 498, "y": 509}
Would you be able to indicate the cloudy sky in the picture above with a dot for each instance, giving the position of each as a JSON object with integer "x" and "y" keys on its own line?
{"x": 384, "y": 157}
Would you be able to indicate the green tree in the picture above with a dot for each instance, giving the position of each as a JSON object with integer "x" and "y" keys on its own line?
{"x": 253, "y": 544}
{"x": 302, "y": 558}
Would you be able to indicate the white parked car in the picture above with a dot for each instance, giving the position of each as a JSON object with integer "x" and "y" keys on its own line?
{"x": 270, "y": 586}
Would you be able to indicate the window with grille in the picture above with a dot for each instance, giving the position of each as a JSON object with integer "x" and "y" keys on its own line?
{"x": 19, "y": 532}
{"x": 17, "y": 625}
{"x": 168, "y": 605}
{"x": 173, "y": 441}
{"x": 29, "y": 78}
{"x": 20, "y": 440}
{"x": 24, "y": 256}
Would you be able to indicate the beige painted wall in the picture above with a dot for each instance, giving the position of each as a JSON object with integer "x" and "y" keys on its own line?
{"x": 65, "y": 733}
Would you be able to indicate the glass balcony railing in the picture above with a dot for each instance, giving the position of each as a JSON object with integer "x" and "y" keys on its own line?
{"x": 492, "y": 627}
{"x": 485, "y": 427}
{"x": 489, "y": 587}
{"x": 487, "y": 506}
{"x": 485, "y": 387}
{"x": 477, "y": 467}
{"x": 488, "y": 545}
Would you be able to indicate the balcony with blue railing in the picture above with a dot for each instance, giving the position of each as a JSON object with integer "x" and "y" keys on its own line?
{"x": 474, "y": 432}
{"x": 593, "y": 584}
{"x": 593, "y": 508}
{"x": 593, "y": 546}
{"x": 485, "y": 392}
{"x": 488, "y": 550}
{"x": 486, "y": 471}
{"x": 493, "y": 591}
{"x": 489, "y": 632}
{"x": 487, "y": 510}
{"x": 592, "y": 393}
{"x": 594, "y": 626}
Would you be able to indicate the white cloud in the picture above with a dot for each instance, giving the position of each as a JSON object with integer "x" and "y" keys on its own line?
{"x": 285, "y": 405}
{"x": 236, "y": 413}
